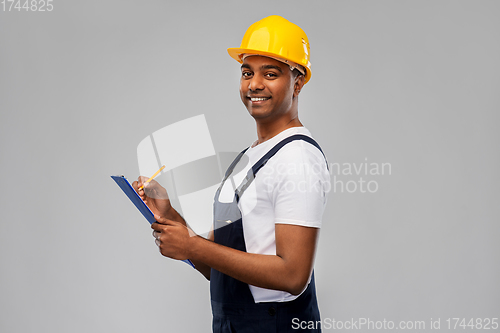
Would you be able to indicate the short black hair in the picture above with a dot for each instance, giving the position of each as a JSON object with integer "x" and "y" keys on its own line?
{"x": 296, "y": 73}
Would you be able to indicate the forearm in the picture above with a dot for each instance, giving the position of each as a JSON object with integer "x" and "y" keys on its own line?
{"x": 288, "y": 270}
{"x": 265, "y": 271}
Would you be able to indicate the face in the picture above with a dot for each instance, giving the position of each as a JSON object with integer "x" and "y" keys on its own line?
{"x": 267, "y": 87}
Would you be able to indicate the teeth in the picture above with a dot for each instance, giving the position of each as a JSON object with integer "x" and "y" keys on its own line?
{"x": 258, "y": 99}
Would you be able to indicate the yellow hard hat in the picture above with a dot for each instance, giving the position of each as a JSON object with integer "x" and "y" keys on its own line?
{"x": 277, "y": 38}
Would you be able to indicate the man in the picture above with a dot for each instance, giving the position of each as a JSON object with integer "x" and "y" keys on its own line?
{"x": 259, "y": 258}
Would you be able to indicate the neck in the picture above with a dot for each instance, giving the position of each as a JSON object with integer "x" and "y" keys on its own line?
{"x": 268, "y": 129}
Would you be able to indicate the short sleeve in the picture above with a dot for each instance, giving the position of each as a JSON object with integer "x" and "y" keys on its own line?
{"x": 300, "y": 181}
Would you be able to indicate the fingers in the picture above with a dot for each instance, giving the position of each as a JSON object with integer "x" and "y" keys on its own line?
{"x": 155, "y": 190}
{"x": 152, "y": 184}
{"x": 138, "y": 187}
{"x": 158, "y": 227}
{"x": 164, "y": 221}
{"x": 142, "y": 180}
{"x": 151, "y": 189}
{"x": 157, "y": 235}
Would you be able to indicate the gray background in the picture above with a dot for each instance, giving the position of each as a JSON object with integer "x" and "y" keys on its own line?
{"x": 411, "y": 83}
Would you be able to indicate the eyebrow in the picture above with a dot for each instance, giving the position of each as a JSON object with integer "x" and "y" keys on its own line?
{"x": 272, "y": 67}
{"x": 247, "y": 66}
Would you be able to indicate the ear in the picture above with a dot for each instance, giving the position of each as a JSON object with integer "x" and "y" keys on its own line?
{"x": 298, "y": 84}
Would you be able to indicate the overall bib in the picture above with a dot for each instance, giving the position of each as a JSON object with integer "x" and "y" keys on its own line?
{"x": 233, "y": 307}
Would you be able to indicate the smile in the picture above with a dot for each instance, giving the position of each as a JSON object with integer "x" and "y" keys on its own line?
{"x": 258, "y": 99}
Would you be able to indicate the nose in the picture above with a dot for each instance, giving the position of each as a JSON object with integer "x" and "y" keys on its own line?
{"x": 256, "y": 83}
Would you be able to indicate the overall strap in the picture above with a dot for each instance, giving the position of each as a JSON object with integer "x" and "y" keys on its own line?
{"x": 260, "y": 163}
{"x": 233, "y": 164}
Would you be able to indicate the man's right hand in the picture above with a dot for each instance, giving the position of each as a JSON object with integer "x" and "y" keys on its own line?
{"x": 155, "y": 196}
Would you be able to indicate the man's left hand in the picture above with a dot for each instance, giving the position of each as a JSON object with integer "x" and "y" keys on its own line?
{"x": 172, "y": 238}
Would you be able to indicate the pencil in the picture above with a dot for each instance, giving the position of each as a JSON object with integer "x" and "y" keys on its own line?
{"x": 152, "y": 177}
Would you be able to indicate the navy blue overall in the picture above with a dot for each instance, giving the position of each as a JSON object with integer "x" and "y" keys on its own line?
{"x": 233, "y": 306}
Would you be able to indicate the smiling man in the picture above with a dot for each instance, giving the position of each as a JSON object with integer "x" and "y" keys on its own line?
{"x": 260, "y": 257}
{"x": 269, "y": 90}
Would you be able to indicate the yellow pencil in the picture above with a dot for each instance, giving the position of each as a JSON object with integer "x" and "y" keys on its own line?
{"x": 152, "y": 177}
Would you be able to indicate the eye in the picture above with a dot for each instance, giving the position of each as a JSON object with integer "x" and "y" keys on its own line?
{"x": 246, "y": 74}
{"x": 271, "y": 75}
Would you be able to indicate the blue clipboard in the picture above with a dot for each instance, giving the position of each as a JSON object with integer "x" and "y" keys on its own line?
{"x": 137, "y": 201}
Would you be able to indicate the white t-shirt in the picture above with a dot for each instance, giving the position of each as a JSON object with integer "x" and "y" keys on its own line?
{"x": 291, "y": 189}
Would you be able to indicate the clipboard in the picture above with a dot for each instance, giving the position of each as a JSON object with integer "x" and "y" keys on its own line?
{"x": 139, "y": 204}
